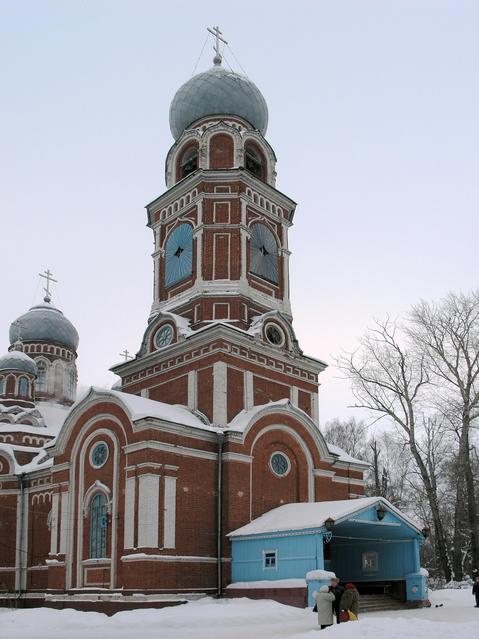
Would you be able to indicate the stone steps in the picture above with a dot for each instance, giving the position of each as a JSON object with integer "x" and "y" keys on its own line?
{"x": 377, "y": 603}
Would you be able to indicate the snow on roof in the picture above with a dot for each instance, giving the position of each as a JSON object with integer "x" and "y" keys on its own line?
{"x": 312, "y": 515}
{"x": 54, "y": 415}
{"x": 243, "y": 418}
{"x": 142, "y": 408}
{"x": 344, "y": 456}
{"x": 37, "y": 463}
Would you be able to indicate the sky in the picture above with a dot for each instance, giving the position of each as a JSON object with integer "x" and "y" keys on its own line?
{"x": 373, "y": 115}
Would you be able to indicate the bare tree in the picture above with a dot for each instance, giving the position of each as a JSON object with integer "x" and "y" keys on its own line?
{"x": 350, "y": 435}
{"x": 447, "y": 334}
{"x": 390, "y": 379}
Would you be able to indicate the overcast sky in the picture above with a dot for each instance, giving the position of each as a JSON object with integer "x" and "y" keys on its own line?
{"x": 374, "y": 111}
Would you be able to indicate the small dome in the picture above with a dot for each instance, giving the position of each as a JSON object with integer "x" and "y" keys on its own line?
{"x": 45, "y": 323}
{"x": 217, "y": 92}
{"x": 18, "y": 361}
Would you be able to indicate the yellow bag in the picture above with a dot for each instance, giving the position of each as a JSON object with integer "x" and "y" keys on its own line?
{"x": 352, "y": 616}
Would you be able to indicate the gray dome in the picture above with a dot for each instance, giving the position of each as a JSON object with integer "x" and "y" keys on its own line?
{"x": 45, "y": 323}
{"x": 18, "y": 361}
{"x": 217, "y": 92}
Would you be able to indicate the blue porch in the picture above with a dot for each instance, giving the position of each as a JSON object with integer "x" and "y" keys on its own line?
{"x": 366, "y": 541}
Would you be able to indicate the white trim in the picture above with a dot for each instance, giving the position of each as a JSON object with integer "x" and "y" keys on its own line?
{"x": 170, "y": 558}
{"x": 54, "y": 525}
{"x": 319, "y": 472}
{"x": 64, "y": 515}
{"x": 148, "y": 507}
{"x": 220, "y": 395}
{"x": 249, "y": 390}
{"x": 169, "y": 528}
{"x": 129, "y": 517}
{"x": 237, "y": 457}
{"x": 192, "y": 390}
{"x": 170, "y": 448}
{"x": 294, "y": 395}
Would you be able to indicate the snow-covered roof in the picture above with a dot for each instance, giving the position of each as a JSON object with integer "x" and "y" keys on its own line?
{"x": 344, "y": 456}
{"x": 38, "y": 462}
{"x": 241, "y": 421}
{"x": 312, "y": 515}
{"x": 54, "y": 415}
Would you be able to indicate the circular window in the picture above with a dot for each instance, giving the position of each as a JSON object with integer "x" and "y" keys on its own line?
{"x": 274, "y": 335}
{"x": 99, "y": 455}
{"x": 164, "y": 336}
{"x": 280, "y": 464}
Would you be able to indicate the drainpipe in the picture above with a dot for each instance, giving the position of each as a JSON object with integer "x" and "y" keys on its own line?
{"x": 219, "y": 515}
{"x": 20, "y": 555}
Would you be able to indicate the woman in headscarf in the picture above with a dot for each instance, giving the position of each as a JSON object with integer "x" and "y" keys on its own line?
{"x": 324, "y": 603}
{"x": 350, "y": 600}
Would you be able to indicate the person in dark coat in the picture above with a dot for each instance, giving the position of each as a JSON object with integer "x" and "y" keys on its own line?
{"x": 475, "y": 591}
{"x": 337, "y": 591}
{"x": 350, "y": 599}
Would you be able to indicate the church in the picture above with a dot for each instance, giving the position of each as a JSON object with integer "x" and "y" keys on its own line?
{"x": 136, "y": 495}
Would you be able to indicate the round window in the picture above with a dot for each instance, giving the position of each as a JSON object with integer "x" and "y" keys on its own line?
{"x": 99, "y": 455}
{"x": 274, "y": 335}
{"x": 164, "y": 336}
{"x": 280, "y": 464}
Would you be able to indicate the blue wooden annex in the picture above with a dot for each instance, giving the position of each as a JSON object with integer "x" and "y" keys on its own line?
{"x": 366, "y": 541}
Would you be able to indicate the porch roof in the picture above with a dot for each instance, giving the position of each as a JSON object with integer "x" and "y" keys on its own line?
{"x": 310, "y": 516}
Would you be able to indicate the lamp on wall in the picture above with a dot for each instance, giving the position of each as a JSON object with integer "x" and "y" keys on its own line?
{"x": 426, "y": 531}
{"x": 329, "y": 523}
{"x": 381, "y": 512}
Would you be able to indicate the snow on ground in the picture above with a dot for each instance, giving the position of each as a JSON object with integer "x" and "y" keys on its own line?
{"x": 243, "y": 619}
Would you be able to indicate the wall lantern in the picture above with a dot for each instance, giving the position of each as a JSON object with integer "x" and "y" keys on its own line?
{"x": 329, "y": 523}
{"x": 381, "y": 513}
{"x": 426, "y": 531}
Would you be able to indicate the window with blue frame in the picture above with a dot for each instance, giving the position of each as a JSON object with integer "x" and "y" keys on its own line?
{"x": 179, "y": 254}
{"x": 98, "y": 526}
{"x": 270, "y": 559}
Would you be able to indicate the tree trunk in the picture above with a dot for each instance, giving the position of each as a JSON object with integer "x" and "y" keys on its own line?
{"x": 439, "y": 535}
{"x": 466, "y": 468}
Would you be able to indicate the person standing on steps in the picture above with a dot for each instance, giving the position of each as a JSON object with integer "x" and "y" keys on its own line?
{"x": 337, "y": 591}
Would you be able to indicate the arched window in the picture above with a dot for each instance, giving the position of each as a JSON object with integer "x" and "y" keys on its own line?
{"x": 41, "y": 383}
{"x": 98, "y": 526}
{"x": 254, "y": 162}
{"x": 23, "y": 387}
{"x": 264, "y": 253}
{"x": 179, "y": 254}
{"x": 2, "y": 385}
{"x": 188, "y": 162}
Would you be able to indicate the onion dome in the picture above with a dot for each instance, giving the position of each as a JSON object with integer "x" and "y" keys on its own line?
{"x": 18, "y": 362}
{"x": 218, "y": 92}
{"x": 45, "y": 323}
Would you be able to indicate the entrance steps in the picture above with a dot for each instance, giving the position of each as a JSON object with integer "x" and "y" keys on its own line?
{"x": 377, "y": 603}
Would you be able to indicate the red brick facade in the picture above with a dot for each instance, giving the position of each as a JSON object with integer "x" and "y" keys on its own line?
{"x": 162, "y": 474}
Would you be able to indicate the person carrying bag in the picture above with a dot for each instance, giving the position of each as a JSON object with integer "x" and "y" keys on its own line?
{"x": 349, "y": 605}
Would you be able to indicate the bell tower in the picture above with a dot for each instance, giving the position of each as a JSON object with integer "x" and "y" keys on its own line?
{"x": 220, "y": 338}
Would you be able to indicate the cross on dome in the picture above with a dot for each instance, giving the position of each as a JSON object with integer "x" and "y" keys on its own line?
{"x": 48, "y": 276}
{"x": 126, "y": 355}
{"x": 216, "y": 33}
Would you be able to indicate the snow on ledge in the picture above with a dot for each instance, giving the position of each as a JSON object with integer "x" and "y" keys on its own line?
{"x": 319, "y": 575}
{"x": 269, "y": 583}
